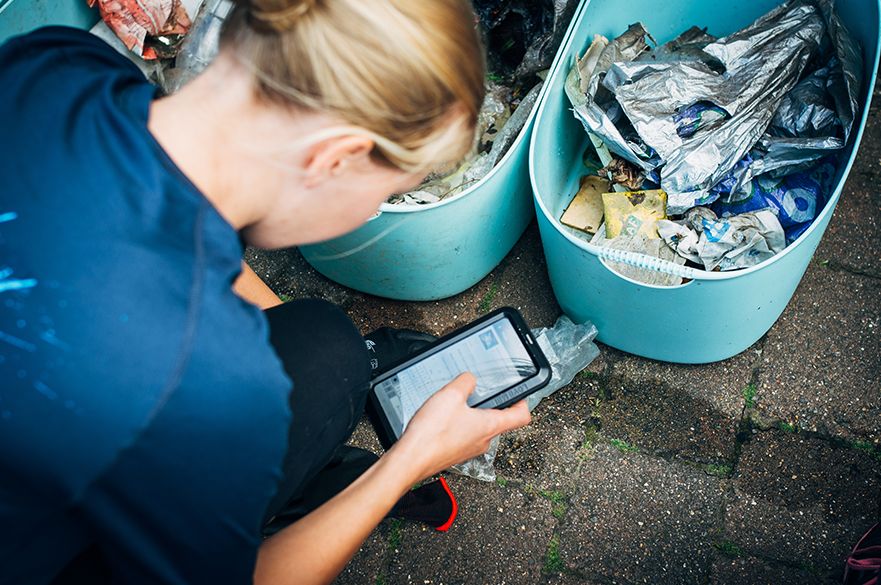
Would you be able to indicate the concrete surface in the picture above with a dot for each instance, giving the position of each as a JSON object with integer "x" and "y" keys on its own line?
{"x": 765, "y": 468}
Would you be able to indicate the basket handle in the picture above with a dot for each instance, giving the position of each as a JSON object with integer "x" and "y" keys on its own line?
{"x": 650, "y": 263}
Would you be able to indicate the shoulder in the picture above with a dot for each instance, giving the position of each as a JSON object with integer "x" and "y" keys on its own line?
{"x": 56, "y": 80}
{"x": 60, "y": 48}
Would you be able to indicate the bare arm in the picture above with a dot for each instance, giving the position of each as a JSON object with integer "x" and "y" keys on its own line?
{"x": 250, "y": 287}
{"x": 445, "y": 431}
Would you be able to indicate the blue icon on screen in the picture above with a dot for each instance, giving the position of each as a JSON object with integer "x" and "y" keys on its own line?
{"x": 488, "y": 339}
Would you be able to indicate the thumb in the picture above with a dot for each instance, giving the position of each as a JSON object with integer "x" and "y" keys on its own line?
{"x": 513, "y": 417}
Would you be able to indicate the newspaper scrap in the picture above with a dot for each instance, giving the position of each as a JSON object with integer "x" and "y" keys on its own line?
{"x": 152, "y": 29}
{"x": 640, "y": 243}
{"x": 729, "y": 243}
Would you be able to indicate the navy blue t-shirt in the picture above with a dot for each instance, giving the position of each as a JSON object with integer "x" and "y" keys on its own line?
{"x": 142, "y": 408}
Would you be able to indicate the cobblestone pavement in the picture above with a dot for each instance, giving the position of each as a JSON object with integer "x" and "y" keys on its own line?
{"x": 765, "y": 468}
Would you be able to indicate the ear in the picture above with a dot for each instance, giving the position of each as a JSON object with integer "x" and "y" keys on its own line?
{"x": 333, "y": 157}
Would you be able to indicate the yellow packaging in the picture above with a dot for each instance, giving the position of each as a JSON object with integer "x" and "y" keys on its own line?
{"x": 585, "y": 212}
{"x": 634, "y": 212}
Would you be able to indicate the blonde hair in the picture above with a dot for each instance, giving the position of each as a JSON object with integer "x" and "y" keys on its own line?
{"x": 409, "y": 74}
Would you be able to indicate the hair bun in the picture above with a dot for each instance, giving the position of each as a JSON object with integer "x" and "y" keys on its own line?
{"x": 279, "y": 15}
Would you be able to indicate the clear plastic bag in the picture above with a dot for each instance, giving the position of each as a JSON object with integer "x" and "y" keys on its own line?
{"x": 569, "y": 348}
{"x": 200, "y": 46}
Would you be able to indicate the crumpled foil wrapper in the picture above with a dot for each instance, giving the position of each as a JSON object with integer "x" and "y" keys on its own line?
{"x": 779, "y": 95}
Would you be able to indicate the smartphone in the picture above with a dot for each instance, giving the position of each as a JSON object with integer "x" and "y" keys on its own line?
{"x": 499, "y": 349}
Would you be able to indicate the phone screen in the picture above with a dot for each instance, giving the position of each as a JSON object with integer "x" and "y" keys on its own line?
{"x": 495, "y": 355}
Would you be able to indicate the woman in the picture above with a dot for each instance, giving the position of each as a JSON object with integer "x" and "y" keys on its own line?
{"x": 145, "y": 418}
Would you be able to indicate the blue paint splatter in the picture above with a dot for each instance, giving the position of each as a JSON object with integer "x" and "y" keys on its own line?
{"x": 45, "y": 390}
{"x": 7, "y": 283}
{"x": 49, "y": 337}
{"x": 17, "y": 284}
{"x": 16, "y": 342}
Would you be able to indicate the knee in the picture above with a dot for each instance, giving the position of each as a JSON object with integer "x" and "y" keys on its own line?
{"x": 317, "y": 337}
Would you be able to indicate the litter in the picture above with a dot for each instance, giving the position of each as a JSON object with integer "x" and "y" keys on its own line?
{"x": 642, "y": 244}
{"x": 585, "y": 213}
{"x": 743, "y": 128}
{"x": 522, "y": 38}
{"x": 152, "y": 29}
{"x": 497, "y": 130}
{"x": 622, "y": 173}
{"x": 632, "y": 213}
{"x": 796, "y": 199}
{"x": 569, "y": 348}
{"x": 200, "y": 46}
{"x": 740, "y": 241}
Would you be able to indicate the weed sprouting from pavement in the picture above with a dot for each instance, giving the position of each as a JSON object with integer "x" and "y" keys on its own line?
{"x": 718, "y": 470}
{"x": 486, "y": 302}
{"x": 394, "y": 537}
{"x": 728, "y": 548}
{"x": 553, "y": 561}
{"x": 623, "y": 446}
{"x": 559, "y": 501}
{"x": 867, "y": 447}
{"x": 749, "y": 395}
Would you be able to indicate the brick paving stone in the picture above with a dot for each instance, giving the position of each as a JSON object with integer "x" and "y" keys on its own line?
{"x": 639, "y": 519}
{"x": 802, "y": 500}
{"x": 720, "y": 384}
{"x": 851, "y": 241}
{"x": 569, "y": 579}
{"x": 545, "y": 454}
{"x": 367, "y": 566}
{"x": 822, "y": 360}
{"x": 690, "y": 412}
{"x": 754, "y": 571}
{"x": 287, "y": 273}
{"x": 365, "y": 437}
{"x": 500, "y": 536}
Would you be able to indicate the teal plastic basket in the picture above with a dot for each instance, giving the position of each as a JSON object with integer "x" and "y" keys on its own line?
{"x": 21, "y": 16}
{"x": 429, "y": 252}
{"x": 716, "y": 315}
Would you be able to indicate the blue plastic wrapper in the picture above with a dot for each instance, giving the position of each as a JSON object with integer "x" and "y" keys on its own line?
{"x": 796, "y": 199}
{"x": 699, "y": 116}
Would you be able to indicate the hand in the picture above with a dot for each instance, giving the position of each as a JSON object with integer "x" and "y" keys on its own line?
{"x": 446, "y": 431}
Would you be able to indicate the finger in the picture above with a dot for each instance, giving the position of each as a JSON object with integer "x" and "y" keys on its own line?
{"x": 513, "y": 417}
{"x": 463, "y": 385}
